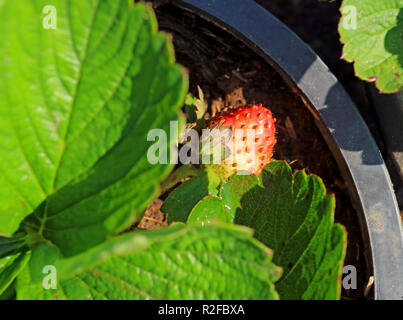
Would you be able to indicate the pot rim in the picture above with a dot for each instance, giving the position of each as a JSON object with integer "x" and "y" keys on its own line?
{"x": 339, "y": 121}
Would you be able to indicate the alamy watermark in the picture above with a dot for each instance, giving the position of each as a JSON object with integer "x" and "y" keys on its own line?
{"x": 349, "y": 20}
{"x": 350, "y": 278}
{"x": 50, "y": 280}
{"x": 213, "y": 146}
{"x": 49, "y": 21}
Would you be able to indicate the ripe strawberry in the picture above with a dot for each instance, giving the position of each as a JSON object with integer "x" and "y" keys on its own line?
{"x": 249, "y": 154}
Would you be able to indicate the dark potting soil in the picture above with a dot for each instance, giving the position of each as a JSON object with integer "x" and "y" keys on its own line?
{"x": 230, "y": 73}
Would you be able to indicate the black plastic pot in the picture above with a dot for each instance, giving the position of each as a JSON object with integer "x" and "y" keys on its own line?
{"x": 340, "y": 123}
{"x": 389, "y": 112}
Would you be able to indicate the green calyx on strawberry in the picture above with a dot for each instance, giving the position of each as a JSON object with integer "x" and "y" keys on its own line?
{"x": 251, "y": 141}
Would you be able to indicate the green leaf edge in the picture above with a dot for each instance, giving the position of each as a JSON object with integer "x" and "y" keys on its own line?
{"x": 349, "y": 59}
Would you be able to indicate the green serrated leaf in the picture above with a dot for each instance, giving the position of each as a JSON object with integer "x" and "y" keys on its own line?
{"x": 178, "y": 262}
{"x": 233, "y": 191}
{"x": 293, "y": 215}
{"x": 10, "y": 267}
{"x": 181, "y": 200}
{"x": 372, "y": 35}
{"x": 10, "y": 246}
{"x": 224, "y": 206}
{"x": 76, "y": 104}
{"x": 209, "y": 210}
{"x": 9, "y": 293}
{"x": 190, "y": 108}
{"x": 195, "y": 107}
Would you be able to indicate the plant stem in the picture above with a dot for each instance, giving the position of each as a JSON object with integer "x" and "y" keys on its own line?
{"x": 178, "y": 175}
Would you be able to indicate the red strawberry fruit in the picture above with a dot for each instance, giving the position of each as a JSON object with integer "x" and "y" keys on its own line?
{"x": 248, "y": 154}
